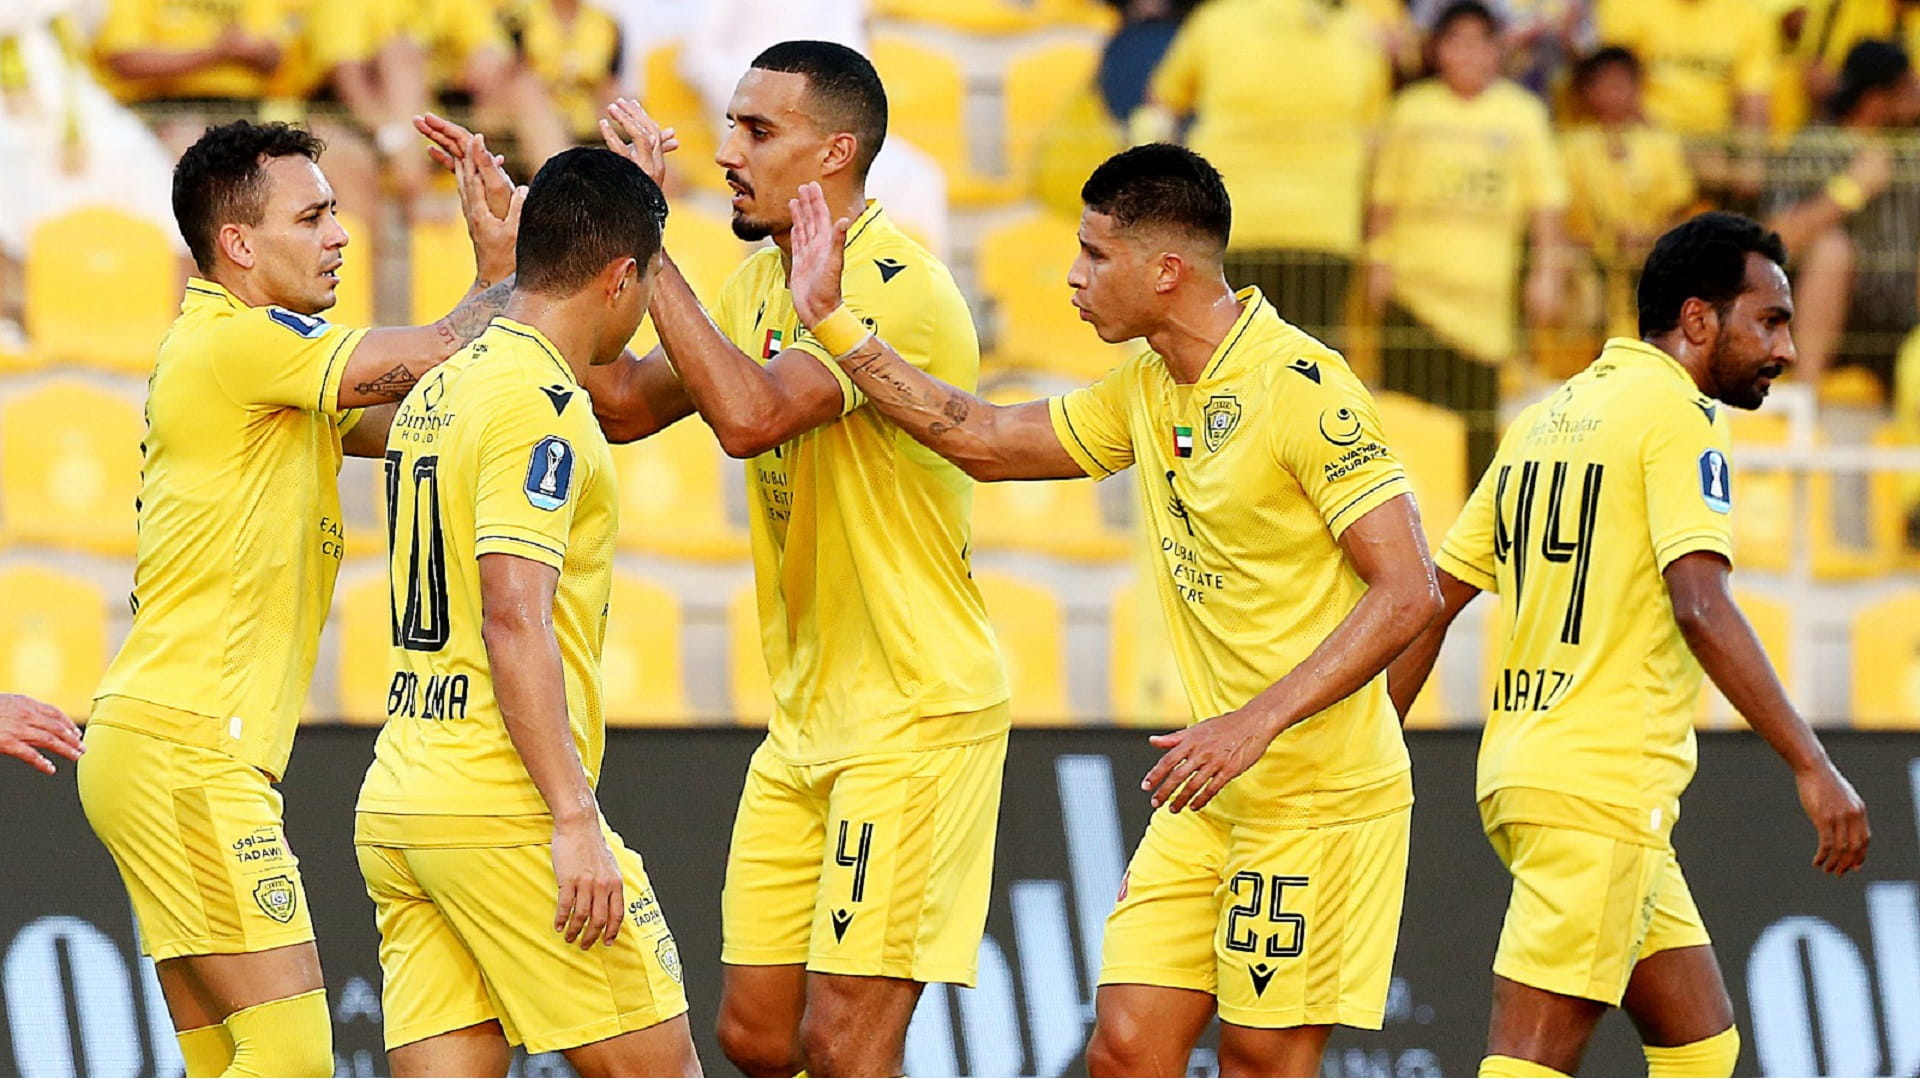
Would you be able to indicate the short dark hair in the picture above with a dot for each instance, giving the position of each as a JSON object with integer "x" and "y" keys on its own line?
{"x": 1870, "y": 66}
{"x": 844, "y": 87}
{"x": 1160, "y": 184}
{"x": 1465, "y": 9}
{"x": 1704, "y": 257}
{"x": 1591, "y": 65}
{"x": 221, "y": 179}
{"x": 585, "y": 208}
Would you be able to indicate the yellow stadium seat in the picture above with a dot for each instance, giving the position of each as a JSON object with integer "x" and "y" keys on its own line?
{"x": 1052, "y": 517}
{"x": 70, "y": 467}
{"x": 364, "y": 670}
{"x": 53, "y": 636}
{"x": 1040, "y": 84}
{"x": 748, "y": 687}
{"x": 1764, "y": 508}
{"x": 1022, "y": 267}
{"x": 926, "y": 105}
{"x": 353, "y": 299}
{"x": 974, "y": 17}
{"x": 102, "y": 288}
{"x": 1431, "y": 442}
{"x": 673, "y": 495}
{"x": 640, "y": 665}
{"x": 1886, "y": 662}
{"x": 1773, "y": 623}
{"x": 672, "y": 101}
{"x": 442, "y": 266}
{"x": 1766, "y": 511}
{"x": 1143, "y": 681}
{"x": 1028, "y": 620}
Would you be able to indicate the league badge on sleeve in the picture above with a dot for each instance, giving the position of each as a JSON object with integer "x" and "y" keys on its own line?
{"x": 1716, "y": 485}
{"x": 550, "y": 473}
{"x": 307, "y": 326}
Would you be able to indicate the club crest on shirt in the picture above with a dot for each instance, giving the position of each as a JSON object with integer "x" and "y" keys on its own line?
{"x": 307, "y": 326}
{"x": 1222, "y": 415}
{"x": 668, "y": 954}
{"x": 1716, "y": 485}
{"x": 277, "y": 897}
{"x": 550, "y": 473}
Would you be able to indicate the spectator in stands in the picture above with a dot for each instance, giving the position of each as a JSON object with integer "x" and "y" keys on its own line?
{"x": 1466, "y": 170}
{"x": 28, "y": 727}
{"x": 1295, "y": 161}
{"x": 575, "y": 50}
{"x": 460, "y": 55}
{"x": 1540, "y": 35}
{"x": 1846, "y": 199}
{"x": 1128, "y": 59}
{"x": 190, "y": 63}
{"x": 1628, "y": 181}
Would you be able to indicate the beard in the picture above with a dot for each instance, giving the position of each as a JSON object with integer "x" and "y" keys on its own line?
{"x": 1735, "y": 383}
{"x": 748, "y": 229}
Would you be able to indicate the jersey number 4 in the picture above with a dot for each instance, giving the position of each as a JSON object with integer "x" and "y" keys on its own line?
{"x": 1513, "y": 537}
{"x": 421, "y": 624}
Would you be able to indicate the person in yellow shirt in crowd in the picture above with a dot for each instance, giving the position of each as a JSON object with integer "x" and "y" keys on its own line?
{"x": 1615, "y": 611}
{"x": 1846, "y": 199}
{"x": 1295, "y": 161}
{"x": 460, "y": 55}
{"x": 574, "y": 51}
{"x": 190, "y": 63}
{"x": 1466, "y": 172}
{"x": 254, "y": 398}
{"x": 1267, "y": 889}
{"x": 1627, "y": 180}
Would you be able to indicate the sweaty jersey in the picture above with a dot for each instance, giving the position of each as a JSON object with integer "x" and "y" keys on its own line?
{"x": 1593, "y": 493}
{"x": 240, "y": 532}
{"x": 1248, "y": 478}
{"x": 495, "y": 452}
{"x": 875, "y": 635}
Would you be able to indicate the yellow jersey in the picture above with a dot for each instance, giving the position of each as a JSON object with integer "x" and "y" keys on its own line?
{"x": 1626, "y": 186}
{"x": 494, "y": 452}
{"x": 240, "y": 532}
{"x": 321, "y": 36}
{"x": 1700, "y": 56}
{"x": 1593, "y": 493}
{"x": 451, "y": 32}
{"x": 187, "y": 24}
{"x": 875, "y": 635}
{"x": 1248, "y": 478}
{"x": 1294, "y": 162}
{"x": 575, "y": 59}
{"x": 1462, "y": 176}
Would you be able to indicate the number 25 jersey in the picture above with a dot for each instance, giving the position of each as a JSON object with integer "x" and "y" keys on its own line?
{"x": 1594, "y": 492}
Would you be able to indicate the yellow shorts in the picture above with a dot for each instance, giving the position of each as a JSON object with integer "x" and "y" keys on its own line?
{"x": 873, "y": 865}
{"x": 1586, "y": 907}
{"x": 197, "y": 837}
{"x": 466, "y": 935}
{"x": 1285, "y": 927}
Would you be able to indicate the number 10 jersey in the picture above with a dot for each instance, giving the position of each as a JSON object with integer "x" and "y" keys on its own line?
{"x": 1594, "y": 492}
{"x": 494, "y": 452}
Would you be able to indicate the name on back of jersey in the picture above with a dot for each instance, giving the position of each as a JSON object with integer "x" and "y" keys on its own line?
{"x": 441, "y": 697}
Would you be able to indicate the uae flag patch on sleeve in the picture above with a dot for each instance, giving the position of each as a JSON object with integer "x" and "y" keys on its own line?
{"x": 1182, "y": 441}
{"x": 776, "y": 340}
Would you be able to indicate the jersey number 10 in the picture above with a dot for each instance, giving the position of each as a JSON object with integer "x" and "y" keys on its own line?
{"x": 1513, "y": 538}
{"x": 421, "y": 626}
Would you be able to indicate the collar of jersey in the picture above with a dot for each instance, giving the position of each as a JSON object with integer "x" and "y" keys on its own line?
{"x": 864, "y": 222}
{"x": 1251, "y": 303}
{"x": 1634, "y": 352}
{"x": 202, "y": 291}
{"x": 522, "y": 330}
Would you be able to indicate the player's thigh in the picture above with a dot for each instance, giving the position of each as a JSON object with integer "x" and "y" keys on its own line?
{"x": 1676, "y": 995}
{"x": 908, "y": 869}
{"x": 552, "y": 995}
{"x": 431, "y": 985}
{"x": 665, "y": 1049}
{"x": 773, "y": 865}
{"x": 198, "y": 840}
{"x": 1309, "y": 920}
{"x": 476, "y": 1050}
{"x": 1579, "y": 912}
{"x": 1161, "y": 931}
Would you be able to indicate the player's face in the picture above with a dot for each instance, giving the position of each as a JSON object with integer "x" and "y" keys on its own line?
{"x": 1755, "y": 343}
{"x": 296, "y": 246}
{"x": 1112, "y": 280}
{"x": 772, "y": 146}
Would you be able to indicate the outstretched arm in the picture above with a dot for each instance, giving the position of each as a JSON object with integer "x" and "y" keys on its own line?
{"x": 988, "y": 441}
{"x": 1408, "y": 672}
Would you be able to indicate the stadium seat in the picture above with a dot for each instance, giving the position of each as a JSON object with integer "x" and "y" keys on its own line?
{"x": 673, "y": 495}
{"x": 706, "y": 251}
{"x": 640, "y": 665}
{"x": 1051, "y": 517}
{"x": 353, "y": 299}
{"x": 671, "y": 100}
{"x": 1143, "y": 681}
{"x": 751, "y": 696}
{"x": 1039, "y": 86}
{"x": 363, "y": 670}
{"x": 975, "y": 17}
{"x": 1763, "y": 522}
{"x": 53, "y": 636}
{"x": 1028, "y": 620}
{"x": 70, "y": 467}
{"x": 1767, "y": 513}
{"x": 1431, "y": 442}
{"x": 102, "y": 288}
{"x": 1022, "y": 268}
{"x": 1772, "y": 621}
{"x": 1886, "y": 662}
{"x": 926, "y": 105}
{"x": 442, "y": 266}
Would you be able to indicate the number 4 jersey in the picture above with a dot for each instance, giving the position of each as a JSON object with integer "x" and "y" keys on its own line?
{"x": 494, "y": 452}
{"x": 1594, "y": 492}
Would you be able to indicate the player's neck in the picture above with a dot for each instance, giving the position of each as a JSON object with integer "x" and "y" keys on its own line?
{"x": 1193, "y": 330}
{"x": 1691, "y": 360}
{"x": 849, "y": 205}
{"x": 244, "y": 288}
{"x": 562, "y": 320}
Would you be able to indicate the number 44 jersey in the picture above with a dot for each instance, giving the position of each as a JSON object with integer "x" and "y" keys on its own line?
{"x": 494, "y": 452}
{"x": 1594, "y": 492}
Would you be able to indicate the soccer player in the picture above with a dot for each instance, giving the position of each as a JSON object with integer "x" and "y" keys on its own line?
{"x": 1291, "y": 571}
{"x": 28, "y": 727}
{"x": 1604, "y": 527}
{"x": 252, "y": 401}
{"x": 479, "y": 808}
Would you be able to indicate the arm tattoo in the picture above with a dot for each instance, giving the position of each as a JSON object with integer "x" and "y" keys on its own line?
{"x": 464, "y": 323}
{"x": 391, "y": 386}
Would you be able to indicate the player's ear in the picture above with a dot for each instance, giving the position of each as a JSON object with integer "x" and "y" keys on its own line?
{"x": 1169, "y": 270}
{"x": 1699, "y": 321}
{"x": 620, "y": 275}
{"x": 235, "y": 243}
{"x": 841, "y": 148}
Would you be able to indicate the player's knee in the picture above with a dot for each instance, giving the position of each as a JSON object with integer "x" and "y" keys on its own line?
{"x": 289, "y": 1037}
{"x": 756, "y": 1049}
{"x": 1121, "y": 1046}
{"x": 1712, "y": 1056}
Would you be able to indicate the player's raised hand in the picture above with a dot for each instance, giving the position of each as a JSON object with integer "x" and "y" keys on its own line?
{"x": 1200, "y": 760}
{"x": 28, "y": 727}
{"x": 819, "y": 253}
{"x": 592, "y": 902}
{"x": 1838, "y": 814}
{"x": 634, "y": 135}
{"x": 491, "y": 203}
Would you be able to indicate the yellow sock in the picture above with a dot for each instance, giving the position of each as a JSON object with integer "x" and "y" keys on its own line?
{"x": 1502, "y": 1065}
{"x": 289, "y": 1037}
{"x": 206, "y": 1050}
{"x": 1713, "y": 1056}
